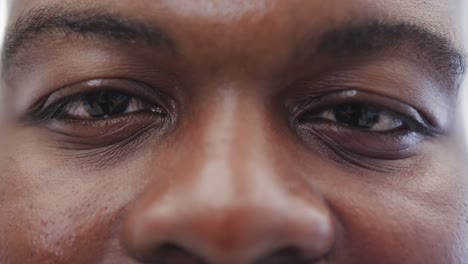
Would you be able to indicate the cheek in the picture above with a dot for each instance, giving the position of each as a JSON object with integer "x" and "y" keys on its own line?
{"x": 51, "y": 222}
{"x": 406, "y": 232}
{"x": 55, "y": 209}
{"x": 415, "y": 216}
{"x": 54, "y": 214}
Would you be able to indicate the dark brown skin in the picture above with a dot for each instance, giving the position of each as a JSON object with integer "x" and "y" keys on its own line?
{"x": 233, "y": 150}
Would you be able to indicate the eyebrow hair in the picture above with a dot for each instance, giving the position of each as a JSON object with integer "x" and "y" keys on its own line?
{"x": 351, "y": 40}
{"x": 377, "y": 36}
{"x": 85, "y": 23}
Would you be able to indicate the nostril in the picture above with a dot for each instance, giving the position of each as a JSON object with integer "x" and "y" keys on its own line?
{"x": 171, "y": 253}
{"x": 284, "y": 255}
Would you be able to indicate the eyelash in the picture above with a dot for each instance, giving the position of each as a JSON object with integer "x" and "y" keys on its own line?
{"x": 407, "y": 123}
{"x": 51, "y": 107}
{"x": 57, "y": 110}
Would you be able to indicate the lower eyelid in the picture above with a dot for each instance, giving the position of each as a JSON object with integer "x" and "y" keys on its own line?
{"x": 104, "y": 132}
{"x": 106, "y": 153}
{"x": 361, "y": 144}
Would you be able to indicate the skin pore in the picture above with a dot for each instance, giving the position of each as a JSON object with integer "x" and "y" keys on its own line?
{"x": 234, "y": 132}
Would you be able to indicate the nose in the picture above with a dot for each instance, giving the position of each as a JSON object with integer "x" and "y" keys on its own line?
{"x": 189, "y": 230}
{"x": 184, "y": 232}
{"x": 231, "y": 202}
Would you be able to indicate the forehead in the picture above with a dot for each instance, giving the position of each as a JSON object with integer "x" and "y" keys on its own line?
{"x": 442, "y": 16}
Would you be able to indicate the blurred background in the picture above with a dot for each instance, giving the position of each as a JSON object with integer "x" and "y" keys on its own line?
{"x": 2, "y": 19}
{"x": 465, "y": 95}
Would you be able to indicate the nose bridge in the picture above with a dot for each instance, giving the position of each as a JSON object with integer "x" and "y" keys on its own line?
{"x": 229, "y": 163}
{"x": 234, "y": 158}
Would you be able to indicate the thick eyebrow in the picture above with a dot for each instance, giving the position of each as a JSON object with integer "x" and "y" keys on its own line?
{"x": 351, "y": 40}
{"x": 412, "y": 41}
{"x": 84, "y": 23}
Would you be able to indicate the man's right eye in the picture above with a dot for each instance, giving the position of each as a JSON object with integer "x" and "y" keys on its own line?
{"x": 103, "y": 112}
{"x": 104, "y": 104}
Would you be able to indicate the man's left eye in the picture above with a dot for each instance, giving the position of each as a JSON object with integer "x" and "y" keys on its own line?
{"x": 348, "y": 123}
{"x": 362, "y": 116}
{"x": 103, "y": 105}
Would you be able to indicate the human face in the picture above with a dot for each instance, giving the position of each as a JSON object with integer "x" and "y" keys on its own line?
{"x": 221, "y": 131}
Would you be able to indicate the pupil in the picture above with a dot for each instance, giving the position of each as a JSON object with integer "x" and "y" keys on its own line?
{"x": 357, "y": 115}
{"x": 106, "y": 103}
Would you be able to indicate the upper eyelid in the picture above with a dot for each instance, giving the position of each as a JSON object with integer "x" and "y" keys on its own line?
{"x": 89, "y": 87}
